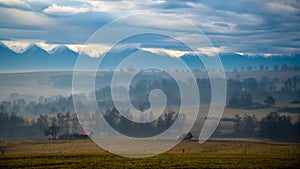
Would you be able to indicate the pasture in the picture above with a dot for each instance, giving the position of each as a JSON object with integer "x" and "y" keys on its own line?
{"x": 215, "y": 153}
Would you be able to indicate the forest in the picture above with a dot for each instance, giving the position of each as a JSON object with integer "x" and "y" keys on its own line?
{"x": 55, "y": 116}
{"x": 247, "y": 93}
{"x": 274, "y": 126}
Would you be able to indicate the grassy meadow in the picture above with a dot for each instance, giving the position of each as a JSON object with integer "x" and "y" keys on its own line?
{"x": 215, "y": 153}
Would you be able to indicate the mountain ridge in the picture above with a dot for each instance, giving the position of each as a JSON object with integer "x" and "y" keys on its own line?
{"x": 63, "y": 58}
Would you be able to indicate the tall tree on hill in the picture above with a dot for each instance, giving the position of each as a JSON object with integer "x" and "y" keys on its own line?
{"x": 237, "y": 123}
{"x": 42, "y": 123}
{"x": 250, "y": 84}
{"x": 60, "y": 122}
{"x": 53, "y": 131}
{"x": 67, "y": 123}
{"x": 249, "y": 125}
{"x": 75, "y": 123}
{"x": 269, "y": 100}
{"x": 234, "y": 101}
{"x": 245, "y": 127}
{"x": 246, "y": 100}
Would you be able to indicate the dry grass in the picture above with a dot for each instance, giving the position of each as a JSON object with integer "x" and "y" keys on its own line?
{"x": 217, "y": 153}
{"x": 223, "y": 146}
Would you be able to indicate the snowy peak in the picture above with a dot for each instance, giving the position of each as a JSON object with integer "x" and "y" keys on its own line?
{"x": 60, "y": 49}
{"x": 35, "y": 50}
{"x": 2, "y": 45}
{"x": 6, "y": 52}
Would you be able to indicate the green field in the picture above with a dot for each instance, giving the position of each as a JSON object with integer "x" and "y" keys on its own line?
{"x": 217, "y": 153}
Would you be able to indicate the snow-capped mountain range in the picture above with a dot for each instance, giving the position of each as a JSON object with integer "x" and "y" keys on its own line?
{"x": 35, "y": 58}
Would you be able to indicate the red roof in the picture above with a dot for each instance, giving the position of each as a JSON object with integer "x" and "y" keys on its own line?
{"x": 85, "y": 133}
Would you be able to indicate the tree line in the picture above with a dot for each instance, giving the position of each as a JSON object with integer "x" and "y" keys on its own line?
{"x": 134, "y": 129}
{"x": 276, "y": 67}
{"x": 250, "y": 93}
{"x": 63, "y": 125}
{"x": 274, "y": 127}
{"x": 66, "y": 126}
{"x": 241, "y": 93}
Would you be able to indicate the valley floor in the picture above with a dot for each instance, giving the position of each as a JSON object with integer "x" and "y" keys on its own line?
{"x": 215, "y": 153}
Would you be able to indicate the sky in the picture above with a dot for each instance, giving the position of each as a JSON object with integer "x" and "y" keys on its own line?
{"x": 254, "y": 27}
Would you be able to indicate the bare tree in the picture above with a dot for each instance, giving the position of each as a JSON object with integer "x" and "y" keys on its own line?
{"x": 53, "y": 131}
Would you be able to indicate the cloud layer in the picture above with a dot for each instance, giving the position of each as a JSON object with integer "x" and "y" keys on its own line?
{"x": 253, "y": 27}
